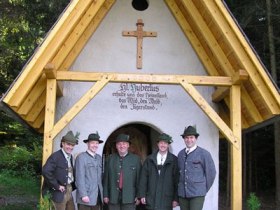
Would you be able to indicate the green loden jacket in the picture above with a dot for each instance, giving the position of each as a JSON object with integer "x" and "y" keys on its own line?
{"x": 160, "y": 190}
{"x": 131, "y": 166}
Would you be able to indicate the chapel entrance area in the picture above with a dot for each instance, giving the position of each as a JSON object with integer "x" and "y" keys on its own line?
{"x": 142, "y": 137}
{"x": 143, "y": 143}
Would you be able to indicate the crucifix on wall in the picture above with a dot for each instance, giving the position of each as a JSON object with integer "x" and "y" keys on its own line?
{"x": 139, "y": 34}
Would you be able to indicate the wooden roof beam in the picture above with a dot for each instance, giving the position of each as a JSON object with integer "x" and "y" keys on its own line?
{"x": 240, "y": 76}
{"x": 80, "y": 28}
{"x": 235, "y": 39}
{"x": 208, "y": 36}
{"x": 249, "y": 106}
{"x": 39, "y": 121}
{"x": 37, "y": 108}
{"x": 77, "y": 48}
{"x": 212, "y": 114}
{"x": 223, "y": 92}
{"x": 33, "y": 96}
{"x": 189, "y": 33}
{"x": 45, "y": 52}
{"x": 76, "y": 108}
{"x": 51, "y": 73}
{"x": 144, "y": 78}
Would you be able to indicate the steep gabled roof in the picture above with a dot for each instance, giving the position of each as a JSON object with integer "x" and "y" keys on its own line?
{"x": 207, "y": 24}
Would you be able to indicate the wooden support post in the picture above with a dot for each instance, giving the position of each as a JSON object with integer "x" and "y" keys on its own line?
{"x": 211, "y": 113}
{"x": 139, "y": 34}
{"x": 83, "y": 101}
{"x": 236, "y": 152}
{"x": 49, "y": 119}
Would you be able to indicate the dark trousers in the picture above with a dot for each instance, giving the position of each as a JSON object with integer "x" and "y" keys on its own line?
{"x": 130, "y": 206}
{"x": 85, "y": 207}
{"x": 195, "y": 203}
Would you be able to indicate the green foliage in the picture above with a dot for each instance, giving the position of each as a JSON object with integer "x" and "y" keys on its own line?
{"x": 15, "y": 185}
{"x": 20, "y": 161}
{"x": 252, "y": 17}
{"x": 24, "y": 191}
{"x": 253, "y": 202}
{"x": 45, "y": 203}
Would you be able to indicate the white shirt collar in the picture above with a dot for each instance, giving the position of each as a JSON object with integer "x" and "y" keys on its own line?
{"x": 189, "y": 150}
{"x": 91, "y": 153}
{"x": 65, "y": 154}
{"x": 161, "y": 158}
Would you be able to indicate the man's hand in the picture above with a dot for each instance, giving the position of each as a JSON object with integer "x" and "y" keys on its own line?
{"x": 85, "y": 199}
{"x": 143, "y": 201}
{"x": 106, "y": 200}
{"x": 61, "y": 188}
{"x": 137, "y": 201}
{"x": 174, "y": 204}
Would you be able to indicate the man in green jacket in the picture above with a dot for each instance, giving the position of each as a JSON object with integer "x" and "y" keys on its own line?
{"x": 159, "y": 177}
{"x": 121, "y": 177}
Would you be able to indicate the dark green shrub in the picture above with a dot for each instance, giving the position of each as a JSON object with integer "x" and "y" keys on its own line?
{"x": 20, "y": 161}
{"x": 253, "y": 202}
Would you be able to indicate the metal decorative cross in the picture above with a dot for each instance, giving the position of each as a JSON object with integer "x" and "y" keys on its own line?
{"x": 139, "y": 34}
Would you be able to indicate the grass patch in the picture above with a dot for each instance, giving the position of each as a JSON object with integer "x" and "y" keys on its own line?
{"x": 15, "y": 185}
{"x": 20, "y": 192}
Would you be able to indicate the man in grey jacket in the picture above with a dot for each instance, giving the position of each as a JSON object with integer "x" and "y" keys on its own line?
{"x": 197, "y": 172}
{"x": 89, "y": 175}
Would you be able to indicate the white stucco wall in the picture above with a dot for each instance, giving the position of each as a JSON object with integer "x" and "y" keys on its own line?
{"x": 168, "y": 53}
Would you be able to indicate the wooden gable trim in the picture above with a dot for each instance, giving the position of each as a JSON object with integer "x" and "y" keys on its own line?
{"x": 190, "y": 11}
{"x": 32, "y": 97}
{"x": 94, "y": 14}
{"x": 46, "y": 51}
{"x": 76, "y": 49}
{"x": 247, "y": 57}
{"x": 185, "y": 81}
{"x": 190, "y": 34}
{"x": 37, "y": 108}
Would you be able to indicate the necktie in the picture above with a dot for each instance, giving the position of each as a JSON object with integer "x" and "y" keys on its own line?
{"x": 161, "y": 164}
{"x": 70, "y": 170}
{"x": 121, "y": 174}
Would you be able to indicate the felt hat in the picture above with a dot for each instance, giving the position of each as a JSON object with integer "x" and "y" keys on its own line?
{"x": 190, "y": 131}
{"x": 93, "y": 137}
{"x": 122, "y": 137}
{"x": 165, "y": 137}
{"x": 69, "y": 138}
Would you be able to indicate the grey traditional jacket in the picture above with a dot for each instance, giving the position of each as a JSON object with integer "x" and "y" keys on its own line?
{"x": 131, "y": 166}
{"x": 197, "y": 173}
{"x": 88, "y": 178}
{"x": 159, "y": 189}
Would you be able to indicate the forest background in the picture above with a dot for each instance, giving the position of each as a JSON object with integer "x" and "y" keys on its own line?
{"x": 23, "y": 26}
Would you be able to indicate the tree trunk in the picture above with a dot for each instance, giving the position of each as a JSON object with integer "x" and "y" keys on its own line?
{"x": 277, "y": 163}
{"x": 250, "y": 162}
{"x": 244, "y": 166}
{"x": 276, "y": 124}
